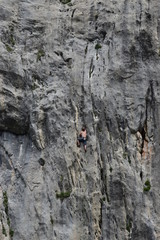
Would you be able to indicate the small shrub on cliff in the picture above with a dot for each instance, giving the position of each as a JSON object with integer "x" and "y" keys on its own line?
{"x": 4, "y": 230}
{"x": 147, "y": 186}
{"x": 65, "y": 1}
{"x": 98, "y": 46}
{"x": 63, "y": 195}
{"x": 11, "y": 232}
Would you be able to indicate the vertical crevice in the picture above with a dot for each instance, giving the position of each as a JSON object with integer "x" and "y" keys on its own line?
{"x": 142, "y": 131}
{"x": 101, "y": 215}
{"x": 103, "y": 175}
{"x": 91, "y": 68}
{"x": 141, "y": 175}
{"x": 82, "y": 105}
{"x": 150, "y": 112}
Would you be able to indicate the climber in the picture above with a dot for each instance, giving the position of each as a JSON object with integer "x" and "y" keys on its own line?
{"x": 82, "y": 138}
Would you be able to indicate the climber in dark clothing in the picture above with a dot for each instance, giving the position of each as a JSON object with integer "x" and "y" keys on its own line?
{"x": 82, "y": 138}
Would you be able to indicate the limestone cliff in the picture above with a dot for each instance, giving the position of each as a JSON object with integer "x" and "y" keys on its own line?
{"x": 64, "y": 64}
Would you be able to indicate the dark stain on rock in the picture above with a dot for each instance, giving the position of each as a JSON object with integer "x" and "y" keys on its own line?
{"x": 148, "y": 16}
{"x": 13, "y": 79}
{"x": 142, "y": 231}
{"x": 146, "y": 47}
{"x": 116, "y": 190}
{"x": 41, "y": 162}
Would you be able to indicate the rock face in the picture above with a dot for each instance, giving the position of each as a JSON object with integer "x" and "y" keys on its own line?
{"x": 64, "y": 64}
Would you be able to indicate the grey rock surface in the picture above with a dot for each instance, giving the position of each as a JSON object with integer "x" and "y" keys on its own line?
{"x": 65, "y": 64}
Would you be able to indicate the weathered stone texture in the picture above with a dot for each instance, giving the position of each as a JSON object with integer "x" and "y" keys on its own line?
{"x": 64, "y": 64}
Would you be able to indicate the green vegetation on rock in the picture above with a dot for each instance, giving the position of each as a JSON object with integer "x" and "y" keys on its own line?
{"x": 147, "y": 186}
{"x": 98, "y": 46}
{"x": 5, "y": 202}
{"x": 40, "y": 54}
{"x": 129, "y": 226}
{"x": 4, "y": 230}
{"x": 65, "y": 1}
{"x": 63, "y": 195}
{"x": 9, "y": 49}
{"x": 11, "y": 232}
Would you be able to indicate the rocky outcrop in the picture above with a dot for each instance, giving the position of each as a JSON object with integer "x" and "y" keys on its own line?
{"x": 64, "y": 64}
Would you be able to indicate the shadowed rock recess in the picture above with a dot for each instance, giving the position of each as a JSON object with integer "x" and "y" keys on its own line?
{"x": 65, "y": 64}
